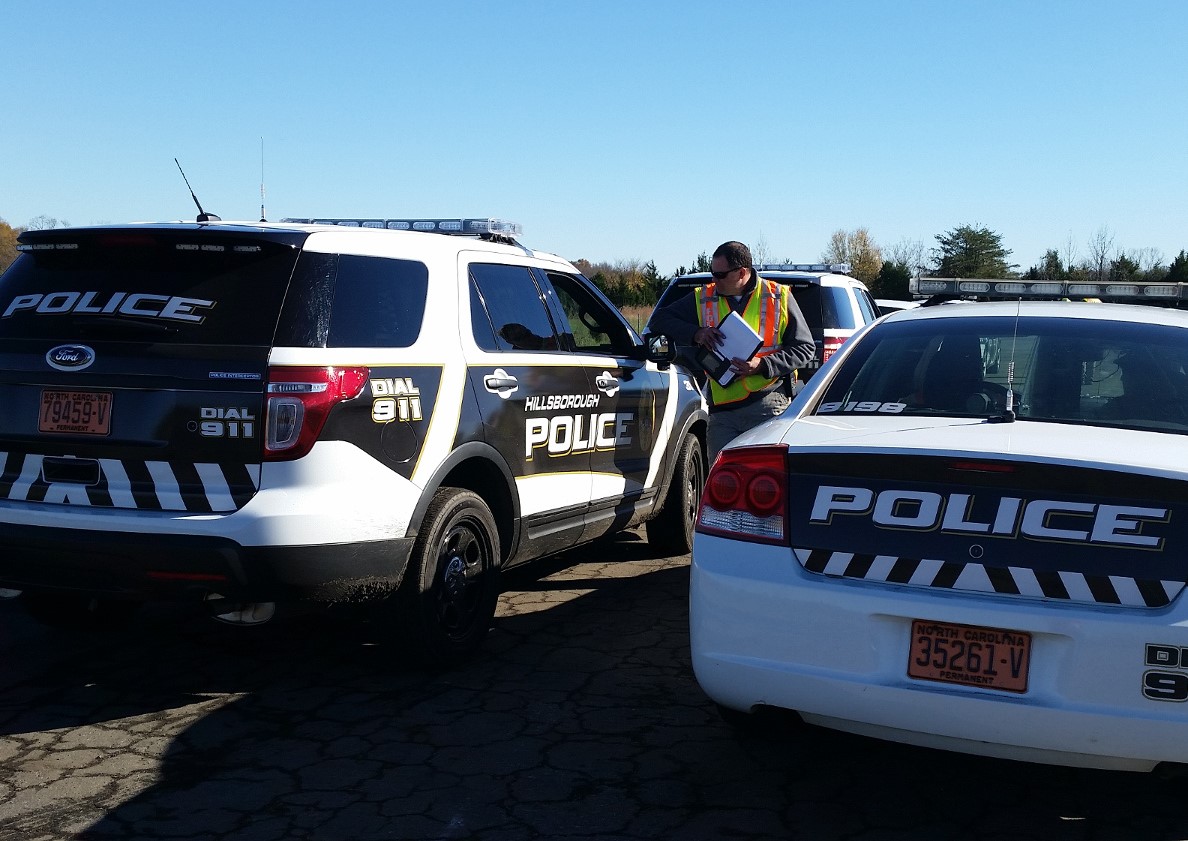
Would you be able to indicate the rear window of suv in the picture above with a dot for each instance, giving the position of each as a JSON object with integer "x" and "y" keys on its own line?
{"x": 347, "y": 300}
{"x": 163, "y": 287}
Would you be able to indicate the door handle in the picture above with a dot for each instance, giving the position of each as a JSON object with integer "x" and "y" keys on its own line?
{"x": 499, "y": 381}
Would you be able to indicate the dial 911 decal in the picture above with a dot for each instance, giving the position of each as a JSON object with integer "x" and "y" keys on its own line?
{"x": 1169, "y": 682}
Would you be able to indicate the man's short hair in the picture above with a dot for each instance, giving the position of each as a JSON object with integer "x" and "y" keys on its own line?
{"x": 735, "y": 253}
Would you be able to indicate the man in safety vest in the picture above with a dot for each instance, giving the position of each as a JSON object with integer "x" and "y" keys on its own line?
{"x": 761, "y": 387}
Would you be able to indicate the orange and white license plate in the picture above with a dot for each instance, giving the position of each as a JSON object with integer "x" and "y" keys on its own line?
{"x": 988, "y": 658}
{"x": 77, "y": 412}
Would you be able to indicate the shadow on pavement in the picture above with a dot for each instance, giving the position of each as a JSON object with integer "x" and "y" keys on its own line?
{"x": 581, "y": 720}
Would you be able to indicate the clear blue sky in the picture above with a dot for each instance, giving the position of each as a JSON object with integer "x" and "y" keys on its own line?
{"x": 613, "y": 130}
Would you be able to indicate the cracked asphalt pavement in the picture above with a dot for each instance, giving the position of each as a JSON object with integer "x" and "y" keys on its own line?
{"x": 582, "y": 720}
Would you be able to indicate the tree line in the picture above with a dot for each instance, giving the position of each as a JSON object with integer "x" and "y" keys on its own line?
{"x": 964, "y": 251}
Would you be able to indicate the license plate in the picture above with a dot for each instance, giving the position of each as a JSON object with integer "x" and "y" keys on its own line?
{"x": 988, "y": 658}
{"x": 76, "y": 412}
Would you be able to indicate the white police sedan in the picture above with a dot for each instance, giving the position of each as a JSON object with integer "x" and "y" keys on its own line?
{"x": 969, "y": 532}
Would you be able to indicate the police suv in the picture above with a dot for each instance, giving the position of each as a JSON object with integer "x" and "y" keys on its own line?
{"x": 328, "y": 410}
{"x": 969, "y": 531}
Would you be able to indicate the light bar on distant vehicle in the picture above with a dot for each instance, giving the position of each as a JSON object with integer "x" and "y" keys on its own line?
{"x": 1001, "y": 288}
{"x": 835, "y": 268}
{"x": 460, "y": 227}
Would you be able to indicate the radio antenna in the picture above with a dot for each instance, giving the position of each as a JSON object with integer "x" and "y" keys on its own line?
{"x": 1008, "y": 413}
{"x": 262, "y": 218}
{"x": 203, "y": 216}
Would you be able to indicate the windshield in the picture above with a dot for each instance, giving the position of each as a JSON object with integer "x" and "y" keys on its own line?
{"x": 1080, "y": 371}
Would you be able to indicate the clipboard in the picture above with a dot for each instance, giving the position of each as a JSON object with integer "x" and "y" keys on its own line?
{"x": 741, "y": 342}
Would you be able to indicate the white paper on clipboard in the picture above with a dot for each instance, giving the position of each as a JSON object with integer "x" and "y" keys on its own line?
{"x": 741, "y": 342}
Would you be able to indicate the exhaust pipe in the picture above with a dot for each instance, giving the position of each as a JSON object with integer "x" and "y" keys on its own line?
{"x": 239, "y": 613}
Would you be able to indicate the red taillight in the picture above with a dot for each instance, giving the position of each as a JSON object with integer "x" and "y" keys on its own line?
{"x": 745, "y": 495}
{"x": 831, "y": 346}
{"x": 299, "y": 401}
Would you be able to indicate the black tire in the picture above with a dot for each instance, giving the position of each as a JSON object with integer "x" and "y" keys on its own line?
{"x": 671, "y": 532}
{"x": 78, "y": 612}
{"x": 447, "y": 599}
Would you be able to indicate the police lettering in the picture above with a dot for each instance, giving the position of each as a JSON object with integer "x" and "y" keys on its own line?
{"x": 1041, "y": 519}
{"x": 134, "y": 304}
{"x": 554, "y": 402}
{"x": 563, "y": 435}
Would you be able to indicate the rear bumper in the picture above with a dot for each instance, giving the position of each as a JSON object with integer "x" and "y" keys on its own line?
{"x": 764, "y": 631}
{"x": 162, "y": 566}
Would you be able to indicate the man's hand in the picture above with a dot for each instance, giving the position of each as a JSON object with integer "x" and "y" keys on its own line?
{"x": 708, "y": 337}
{"x": 746, "y": 367}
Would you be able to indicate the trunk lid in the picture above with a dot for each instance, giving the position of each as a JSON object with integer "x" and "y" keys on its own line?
{"x": 1022, "y": 509}
{"x": 133, "y": 364}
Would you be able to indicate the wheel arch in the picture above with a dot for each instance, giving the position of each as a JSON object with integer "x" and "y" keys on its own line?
{"x": 695, "y": 422}
{"x": 477, "y": 467}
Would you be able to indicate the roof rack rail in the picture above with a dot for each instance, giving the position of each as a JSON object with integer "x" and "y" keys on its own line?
{"x": 458, "y": 227}
{"x": 836, "y": 268}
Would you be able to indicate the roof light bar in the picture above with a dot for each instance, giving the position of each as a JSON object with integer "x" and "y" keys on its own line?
{"x": 463, "y": 227}
{"x": 838, "y": 268}
{"x": 995, "y": 288}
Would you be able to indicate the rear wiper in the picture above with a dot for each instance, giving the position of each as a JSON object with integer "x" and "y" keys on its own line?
{"x": 110, "y": 323}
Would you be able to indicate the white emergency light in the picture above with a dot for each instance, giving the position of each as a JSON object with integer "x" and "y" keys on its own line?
{"x": 836, "y": 268}
{"x": 461, "y": 227}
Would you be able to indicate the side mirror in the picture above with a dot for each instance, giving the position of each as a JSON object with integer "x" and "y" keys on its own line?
{"x": 661, "y": 349}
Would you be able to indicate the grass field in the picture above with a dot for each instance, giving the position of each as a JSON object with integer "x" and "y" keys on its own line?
{"x": 636, "y": 316}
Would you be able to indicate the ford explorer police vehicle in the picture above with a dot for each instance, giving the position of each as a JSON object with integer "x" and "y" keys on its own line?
{"x": 970, "y": 532}
{"x": 328, "y": 410}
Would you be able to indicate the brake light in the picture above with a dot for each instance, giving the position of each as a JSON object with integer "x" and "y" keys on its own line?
{"x": 831, "y": 346}
{"x": 299, "y": 401}
{"x": 745, "y": 496}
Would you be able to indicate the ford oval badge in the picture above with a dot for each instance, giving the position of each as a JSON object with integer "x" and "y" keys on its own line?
{"x": 70, "y": 357}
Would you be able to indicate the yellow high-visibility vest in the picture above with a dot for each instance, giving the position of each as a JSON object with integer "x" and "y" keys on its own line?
{"x": 767, "y": 314}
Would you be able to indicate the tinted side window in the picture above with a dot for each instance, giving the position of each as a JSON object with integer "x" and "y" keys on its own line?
{"x": 808, "y": 297}
{"x": 305, "y": 319}
{"x": 378, "y": 302}
{"x": 835, "y": 308}
{"x": 870, "y": 310}
{"x": 515, "y": 310}
{"x": 592, "y": 323}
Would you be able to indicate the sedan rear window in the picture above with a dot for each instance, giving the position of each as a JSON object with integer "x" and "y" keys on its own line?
{"x": 1107, "y": 373}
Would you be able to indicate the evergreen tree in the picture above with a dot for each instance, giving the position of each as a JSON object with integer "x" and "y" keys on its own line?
{"x": 970, "y": 251}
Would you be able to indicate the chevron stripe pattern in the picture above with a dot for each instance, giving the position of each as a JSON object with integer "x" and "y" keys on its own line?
{"x": 142, "y": 485}
{"x": 1003, "y": 581}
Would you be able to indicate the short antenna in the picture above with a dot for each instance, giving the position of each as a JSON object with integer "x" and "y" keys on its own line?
{"x": 203, "y": 216}
{"x": 262, "y": 218}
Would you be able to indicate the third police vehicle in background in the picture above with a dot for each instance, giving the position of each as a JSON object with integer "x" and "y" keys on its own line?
{"x": 332, "y": 410}
{"x": 834, "y": 304}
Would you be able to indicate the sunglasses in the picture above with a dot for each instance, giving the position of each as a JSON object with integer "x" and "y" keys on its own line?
{"x": 722, "y": 275}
